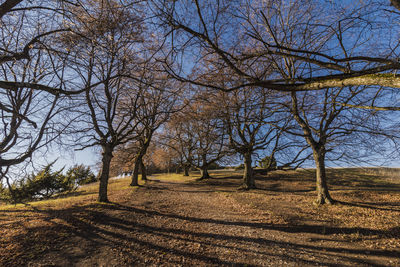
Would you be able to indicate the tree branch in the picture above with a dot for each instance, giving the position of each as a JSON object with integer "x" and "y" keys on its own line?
{"x": 7, "y": 6}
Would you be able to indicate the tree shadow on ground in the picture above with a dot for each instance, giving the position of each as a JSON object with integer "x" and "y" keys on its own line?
{"x": 135, "y": 235}
{"x": 370, "y": 205}
{"x": 350, "y": 180}
{"x": 338, "y": 179}
{"x": 131, "y": 235}
{"x": 302, "y": 181}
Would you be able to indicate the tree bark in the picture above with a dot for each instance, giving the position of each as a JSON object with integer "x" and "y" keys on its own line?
{"x": 204, "y": 174}
{"x": 105, "y": 170}
{"x": 7, "y": 6}
{"x": 323, "y": 195}
{"x": 135, "y": 175}
{"x": 248, "y": 177}
{"x": 396, "y": 3}
{"x": 186, "y": 170}
{"x": 374, "y": 76}
{"x": 139, "y": 164}
{"x": 143, "y": 170}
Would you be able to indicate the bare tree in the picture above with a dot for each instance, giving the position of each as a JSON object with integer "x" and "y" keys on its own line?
{"x": 106, "y": 40}
{"x": 157, "y": 104}
{"x": 178, "y": 141}
{"x": 253, "y": 123}
{"x": 291, "y": 46}
{"x": 198, "y": 134}
{"x": 27, "y": 27}
{"x": 164, "y": 158}
{"x": 330, "y": 41}
{"x": 28, "y": 117}
{"x": 32, "y": 88}
{"x": 331, "y": 130}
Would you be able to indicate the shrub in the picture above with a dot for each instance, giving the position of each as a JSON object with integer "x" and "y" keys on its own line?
{"x": 47, "y": 183}
{"x": 268, "y": 162}
{"x": 42, "y": 185}
{"x": 81, "y": 175}
{"x": 214, "y": 166}
{"x": 3, "y": 192}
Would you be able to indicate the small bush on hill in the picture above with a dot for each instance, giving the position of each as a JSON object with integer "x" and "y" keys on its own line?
{"x": 268, "y": 162}
{"x": 81, "y": 174}
{"x": 214, "y": 166}
{"x": 42, "y": 185}
{"x": 46, "y": 183}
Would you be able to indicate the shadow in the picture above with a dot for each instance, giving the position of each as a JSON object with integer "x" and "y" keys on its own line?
{"x": 284, "y": 190}
{"x": 301, "y": 181}
{"x": 141, "y": 236}
{"x": 233, "y": 177}
{"x": 153, "y": 180}
{"x": 130, "y": 235}
{"x": 326, "y": 230}
{"x": 72, "y": 194}
{"x": 369, "y": 205}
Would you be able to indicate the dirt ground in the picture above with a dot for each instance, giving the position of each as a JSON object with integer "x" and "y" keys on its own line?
{"x": 176, "y": 221}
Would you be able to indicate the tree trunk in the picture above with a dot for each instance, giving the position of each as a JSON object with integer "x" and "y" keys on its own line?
{"x": 248, "y": 177}
{"x": 323, "y": 195}
{"x": 105, "y": 170}
{"x": 143, "y": 170}
{"x": 186, "y": 170}
{"x": 135, "y": 175}
{"x": 204, "y": 174}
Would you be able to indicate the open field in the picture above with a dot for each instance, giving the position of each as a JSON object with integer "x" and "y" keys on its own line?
{"x": 173, "y": 220}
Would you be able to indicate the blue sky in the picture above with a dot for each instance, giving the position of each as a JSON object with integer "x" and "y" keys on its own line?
{"x": 88, "y": 157}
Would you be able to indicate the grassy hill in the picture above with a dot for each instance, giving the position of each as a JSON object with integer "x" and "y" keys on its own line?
{"x": 173, "y": 220}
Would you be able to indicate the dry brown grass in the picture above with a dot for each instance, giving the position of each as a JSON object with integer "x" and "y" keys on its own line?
{"x": 177, "y": 220}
